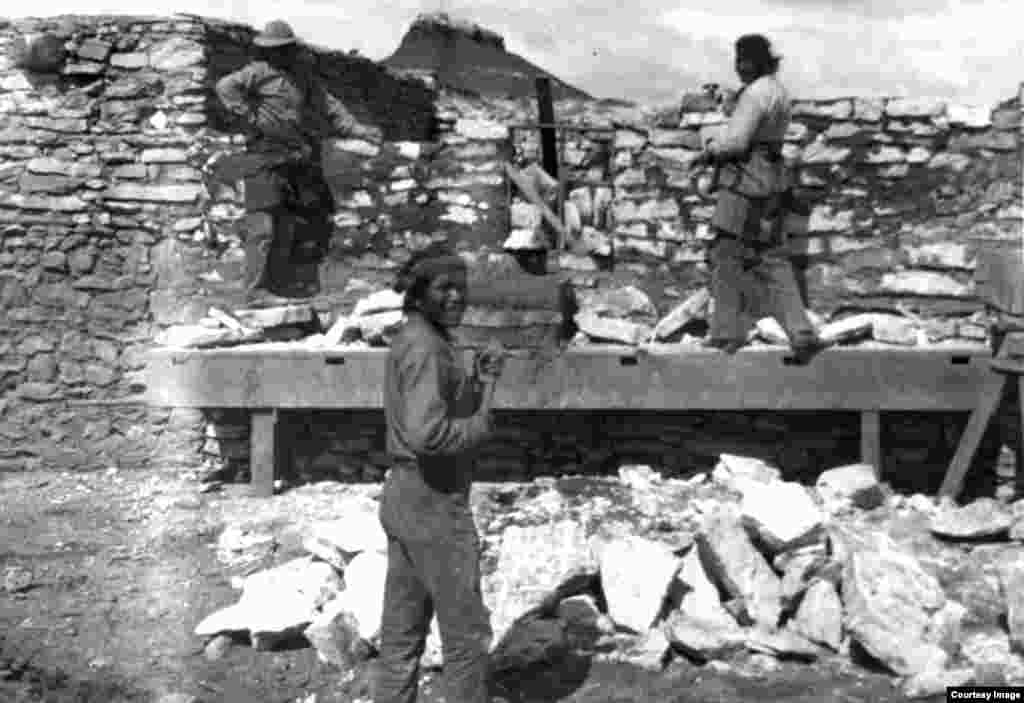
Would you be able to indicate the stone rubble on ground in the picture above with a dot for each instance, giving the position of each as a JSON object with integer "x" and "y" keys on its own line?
{"x": 751, "y": 566}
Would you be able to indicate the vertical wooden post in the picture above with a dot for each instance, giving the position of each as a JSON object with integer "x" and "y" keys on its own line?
{"x": 871, "y": 440}
{"x": 548, "y": 136}
{"x": 548, "y": 143}
{"x": 262, "y": 451}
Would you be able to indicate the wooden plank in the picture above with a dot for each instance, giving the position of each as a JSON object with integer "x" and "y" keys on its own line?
{"x": 531, "y": 194}
{"x": 849, "y": 379}
{"x": 871, "y": 440}
{"x": 262, "y": 451}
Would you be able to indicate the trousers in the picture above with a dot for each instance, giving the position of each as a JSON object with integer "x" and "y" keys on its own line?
{"x": 433, "y": 567}
{"x": 749, "y": 282}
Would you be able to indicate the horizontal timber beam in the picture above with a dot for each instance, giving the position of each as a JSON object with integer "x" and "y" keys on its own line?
{"x": 589, "y": 378}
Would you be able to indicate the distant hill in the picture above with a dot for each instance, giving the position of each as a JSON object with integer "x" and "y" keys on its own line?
{"x": 468, "y": 58}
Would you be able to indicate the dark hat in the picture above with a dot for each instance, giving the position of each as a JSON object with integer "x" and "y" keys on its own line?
{"x": 275, "y": 33}
{"x": 756, "y": 47}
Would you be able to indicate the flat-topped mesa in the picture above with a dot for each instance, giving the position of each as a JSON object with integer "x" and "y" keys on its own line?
{"x": 431, "y": 22}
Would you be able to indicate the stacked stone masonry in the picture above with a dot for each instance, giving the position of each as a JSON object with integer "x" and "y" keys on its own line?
{"x": 112, "y": 228}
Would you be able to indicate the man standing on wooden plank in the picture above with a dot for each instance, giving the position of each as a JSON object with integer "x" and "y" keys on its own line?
{"x": 437, "y": 416}
{"x": 752, "y": 272}
{"x": 288, "y": 114}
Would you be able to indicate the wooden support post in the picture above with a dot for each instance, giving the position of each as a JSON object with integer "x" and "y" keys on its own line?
{"x": 262, "y": 451}
{"x": 871, "y": 440}
{"x": 549, "y": 145}
{"x": 988, "y": 401}
{"x": 1018, "y": 477}
{"x": 548, "y": 136}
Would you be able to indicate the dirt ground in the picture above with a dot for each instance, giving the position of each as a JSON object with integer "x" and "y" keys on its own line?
{"x": 107, "y": 573}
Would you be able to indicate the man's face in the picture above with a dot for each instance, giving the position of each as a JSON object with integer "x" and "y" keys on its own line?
{"x": 746, "y": 70}
{"x": 444, "y": 300}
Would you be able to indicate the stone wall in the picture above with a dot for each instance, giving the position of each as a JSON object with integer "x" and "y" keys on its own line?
{"x": 113, "y": 229}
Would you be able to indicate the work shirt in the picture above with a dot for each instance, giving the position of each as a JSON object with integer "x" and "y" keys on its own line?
{"x": 286, "y": 108}
{"x": 761, "y": 117}
{"x": 431, "y": 406}
{"x": 751, "y": 175}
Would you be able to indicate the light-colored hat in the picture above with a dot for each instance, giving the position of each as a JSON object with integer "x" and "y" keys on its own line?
{"x": 275, "y": 33}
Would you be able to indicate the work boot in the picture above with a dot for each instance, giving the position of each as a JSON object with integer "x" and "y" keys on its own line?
{"x": 729, "y": 346}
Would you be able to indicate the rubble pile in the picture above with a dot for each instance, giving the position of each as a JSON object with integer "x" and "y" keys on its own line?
{"x": 742, "y": 570}
{"x": 618, "y": 316}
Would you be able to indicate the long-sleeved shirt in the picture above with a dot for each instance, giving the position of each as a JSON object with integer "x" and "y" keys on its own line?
{"x": 286, "y": 108}
{"x": 761, "y": 116}
{"x": 432, "y": 406}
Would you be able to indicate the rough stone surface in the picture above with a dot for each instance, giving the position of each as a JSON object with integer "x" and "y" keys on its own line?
{"x": 889, "y": 600}
{"x": 533, "y": 563}
{"x": 635, "y": 595}
{"x": 736, "y": 566}
{"x": 980, "y": 519}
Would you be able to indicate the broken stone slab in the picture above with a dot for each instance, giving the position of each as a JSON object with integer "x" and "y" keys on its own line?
{"x": 612, "y": 330}
{"x": 626, "y": 303}
{"x": 737, "y": 567}
{"x": 316, "y": 581}
{"x": 526, "y": 240}
{"x": 888, "y": 603}
{"x": 982, "y": 519}
{"x": 536, "y": 567}
{"x": 739, "y": 472}
{"x": 820, "y": 615}
{"x": 701, "y": 639}
{"x": 1011, "y": 584}
{"x": 894, "y": 329}
{"x": 635, "y": 596}
{"x": 856, "y": 484}
{"x": 847, "y": 330}
{"x": 700, "y": 626}
{"x": 782, "y": 514}
{"x": 338, "y": 541}
{"x": 769, "y": 330}
{"x": 929, "y": 684}
{"x": 276, "y": 604}
{"x": 693, "y": 308}
{"x": 781, "y": 644}
{"x": 201, "y": 337}
{"x": 378, "y": 328}
{"x": 267, "y": 318}
{"x": 798, "y": 567}
{"x": 334, "y": 634}
{"x": 386, "y": 300}
{"x": 363, "y": 597}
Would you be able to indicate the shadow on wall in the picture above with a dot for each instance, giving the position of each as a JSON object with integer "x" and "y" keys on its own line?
{"x": 402, "y": 107}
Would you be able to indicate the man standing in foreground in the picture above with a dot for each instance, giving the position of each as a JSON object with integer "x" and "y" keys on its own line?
{"x": 288, "y": 115}
{"x": 437, "y": 416}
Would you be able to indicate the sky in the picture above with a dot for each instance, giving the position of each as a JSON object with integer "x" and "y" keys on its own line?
{"x": 969, "y": 51}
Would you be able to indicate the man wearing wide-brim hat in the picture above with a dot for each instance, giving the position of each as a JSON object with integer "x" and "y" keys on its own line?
{"x": 287, "y": 113}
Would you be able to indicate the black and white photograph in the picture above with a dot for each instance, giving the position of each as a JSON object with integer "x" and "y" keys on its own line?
{"x": 462, "y": 351}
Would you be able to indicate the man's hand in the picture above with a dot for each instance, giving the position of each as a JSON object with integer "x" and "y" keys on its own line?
{"x": 490, "y": 362}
